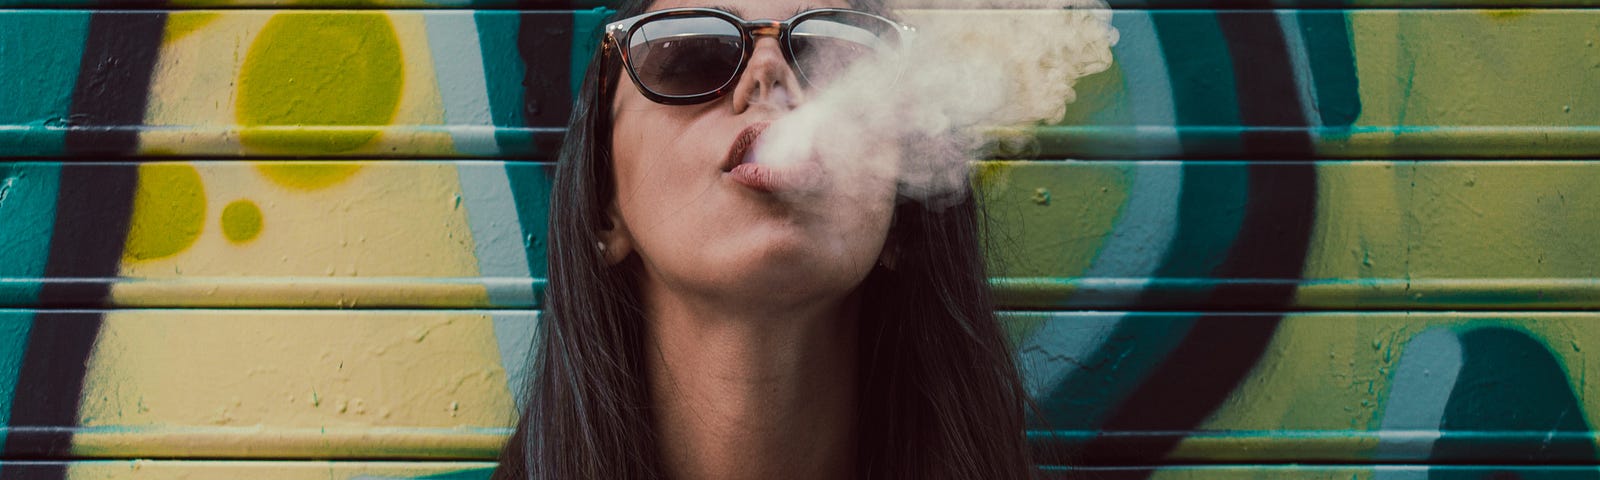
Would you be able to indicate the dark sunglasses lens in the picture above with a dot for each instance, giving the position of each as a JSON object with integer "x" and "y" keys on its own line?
{"x": 826, "y": 45}
{"x": 685, "y": 56}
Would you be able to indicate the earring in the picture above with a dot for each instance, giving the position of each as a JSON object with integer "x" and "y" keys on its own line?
{"x": 601, "y": 246}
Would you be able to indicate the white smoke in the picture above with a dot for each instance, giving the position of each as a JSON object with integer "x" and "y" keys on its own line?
{"x": 922, "y": 113}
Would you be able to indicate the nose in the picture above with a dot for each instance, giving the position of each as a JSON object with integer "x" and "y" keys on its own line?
{"x": 767, "y": 82}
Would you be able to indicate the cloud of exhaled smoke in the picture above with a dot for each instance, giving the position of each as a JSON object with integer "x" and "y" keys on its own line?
{"x": 923, "y": 112}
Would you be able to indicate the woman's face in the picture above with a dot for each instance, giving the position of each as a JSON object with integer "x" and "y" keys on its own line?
{"x": 705, "y": 231}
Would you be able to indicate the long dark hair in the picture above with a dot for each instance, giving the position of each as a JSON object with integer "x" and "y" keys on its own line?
{"x": 939, "y": 394}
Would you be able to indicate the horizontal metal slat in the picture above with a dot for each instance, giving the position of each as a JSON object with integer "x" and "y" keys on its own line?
{"x": 312, "y": 470}
{"x": 235, "y": 470}
{"x": 1063, "y": 234}
{"x": 1340, "y": 83}
{"x": 1113, "y": 388}
{"x": 904, "y": 4}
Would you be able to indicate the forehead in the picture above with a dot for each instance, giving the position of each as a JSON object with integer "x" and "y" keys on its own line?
{"x": 754, "y": 9}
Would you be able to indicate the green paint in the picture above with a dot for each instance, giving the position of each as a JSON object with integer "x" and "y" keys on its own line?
{"x": 1210, "y": 212}
{"x": 169, "y": 211}
{"x": 27, "y": 219}
{"x": 1102, "y": 100}
{"x": 241, "y": 221}
{"x": 39, "y": 56}
{"x": 1506, "y": 13}
{"x": 324, "y": 69}
{"x": 1077, "y": 207}
{"x": 1200, "y": 69}
{"x": 531, "y": 187}
{"x": 473, "y": 474}
{"x": 1537, "y": 70}
{"x": 1326, "y": 36}
{"x": 1510, "y": 383}
{"x": 503, "y": 76}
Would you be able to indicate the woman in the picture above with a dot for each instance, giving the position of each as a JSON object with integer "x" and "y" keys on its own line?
{"x": 704, "y": 321}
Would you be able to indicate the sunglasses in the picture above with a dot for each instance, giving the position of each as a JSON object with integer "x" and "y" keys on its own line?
{"x": 685, "y": 56}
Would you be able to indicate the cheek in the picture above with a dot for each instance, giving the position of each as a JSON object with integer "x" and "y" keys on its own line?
{"x": 661, "y": 176}
{"x": 650, "y": 164}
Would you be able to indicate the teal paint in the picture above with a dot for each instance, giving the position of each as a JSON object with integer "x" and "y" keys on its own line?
{"x": 586, "y": 29}
{"x": 1419, "y": 390}
{"x": 1512, "y": 387}
{"x": 531, "y": 189}
{"x": 503, "y": 70}
{"x": 1326, "y": 35}
{"x": 27, "y": 220}
{"x": 1211, "y": 211}
{"x": 473, "y": 474}
{"x": 39, "y": 57}
{"x": 1200, "y": 69}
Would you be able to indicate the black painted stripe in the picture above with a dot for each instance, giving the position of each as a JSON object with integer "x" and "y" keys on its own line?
{"x": 32, "y": 470}
{"x": 1205, "y": 368}
{"x": 545, "y": 43}
{"x": 93, "y": 205}
{"x": 1264, "y": 79}
{"x": 113, "y": 87}
{"x": 49, "y": 386}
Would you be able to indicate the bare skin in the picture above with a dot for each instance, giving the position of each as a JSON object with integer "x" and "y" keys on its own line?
{"x": 751, "y": 299}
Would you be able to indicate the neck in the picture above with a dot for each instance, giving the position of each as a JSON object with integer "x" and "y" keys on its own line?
{"x": 741, "y": 393}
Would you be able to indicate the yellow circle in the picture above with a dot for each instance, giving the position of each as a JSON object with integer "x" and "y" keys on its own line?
{"x": 169, "y": 210}
{"x": 325, "y": 82}
{"x": 241, "y": 221}
{"x": 308, "y": 175}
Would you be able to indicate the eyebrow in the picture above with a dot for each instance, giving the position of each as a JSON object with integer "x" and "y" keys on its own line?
{"x": 730, "y": 9}
{"x": 740, "y": 13}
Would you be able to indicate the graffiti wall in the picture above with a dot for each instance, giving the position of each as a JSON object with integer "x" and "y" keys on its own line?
{"x": 1280, "y": 239}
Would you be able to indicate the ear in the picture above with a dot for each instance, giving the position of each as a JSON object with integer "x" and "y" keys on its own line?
{"x": 617, "y": 240}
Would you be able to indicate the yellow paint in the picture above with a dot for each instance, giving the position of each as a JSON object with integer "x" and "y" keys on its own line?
{"x": 194, "y": 94}
{"x": 337, "y": 70}
{"x": 1351, "y": 239}
{"x": 293, "y": 371}
{"x": 260, "y": 470}
{"x": 276, "y": 442}
{"x": 1084, "y": 203}
{"x": 1466, "y": 69}
{"x": 1505, "y": 13}
{"x": 309, "y": 176}
{"x": 1259, "y": 472}
{"x": 1318, "y": 373}
{"x": 202, "y": 97}
{"x": 1504, "y": 220}
{"x": 168, "y": 211}
{"x": 1332, "y": 372}
{"x": 241, "y": 221}
{"x": 988, "y": 175}
{"x": 394, "y": 219}
{"x": 183, "y": 23}
{"x": 301, "y": 292}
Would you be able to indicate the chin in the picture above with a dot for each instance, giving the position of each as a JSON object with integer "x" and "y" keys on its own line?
{"x": 793, "y": 266}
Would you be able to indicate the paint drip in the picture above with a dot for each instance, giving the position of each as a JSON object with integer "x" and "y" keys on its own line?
{"x": 953, "y": 91}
